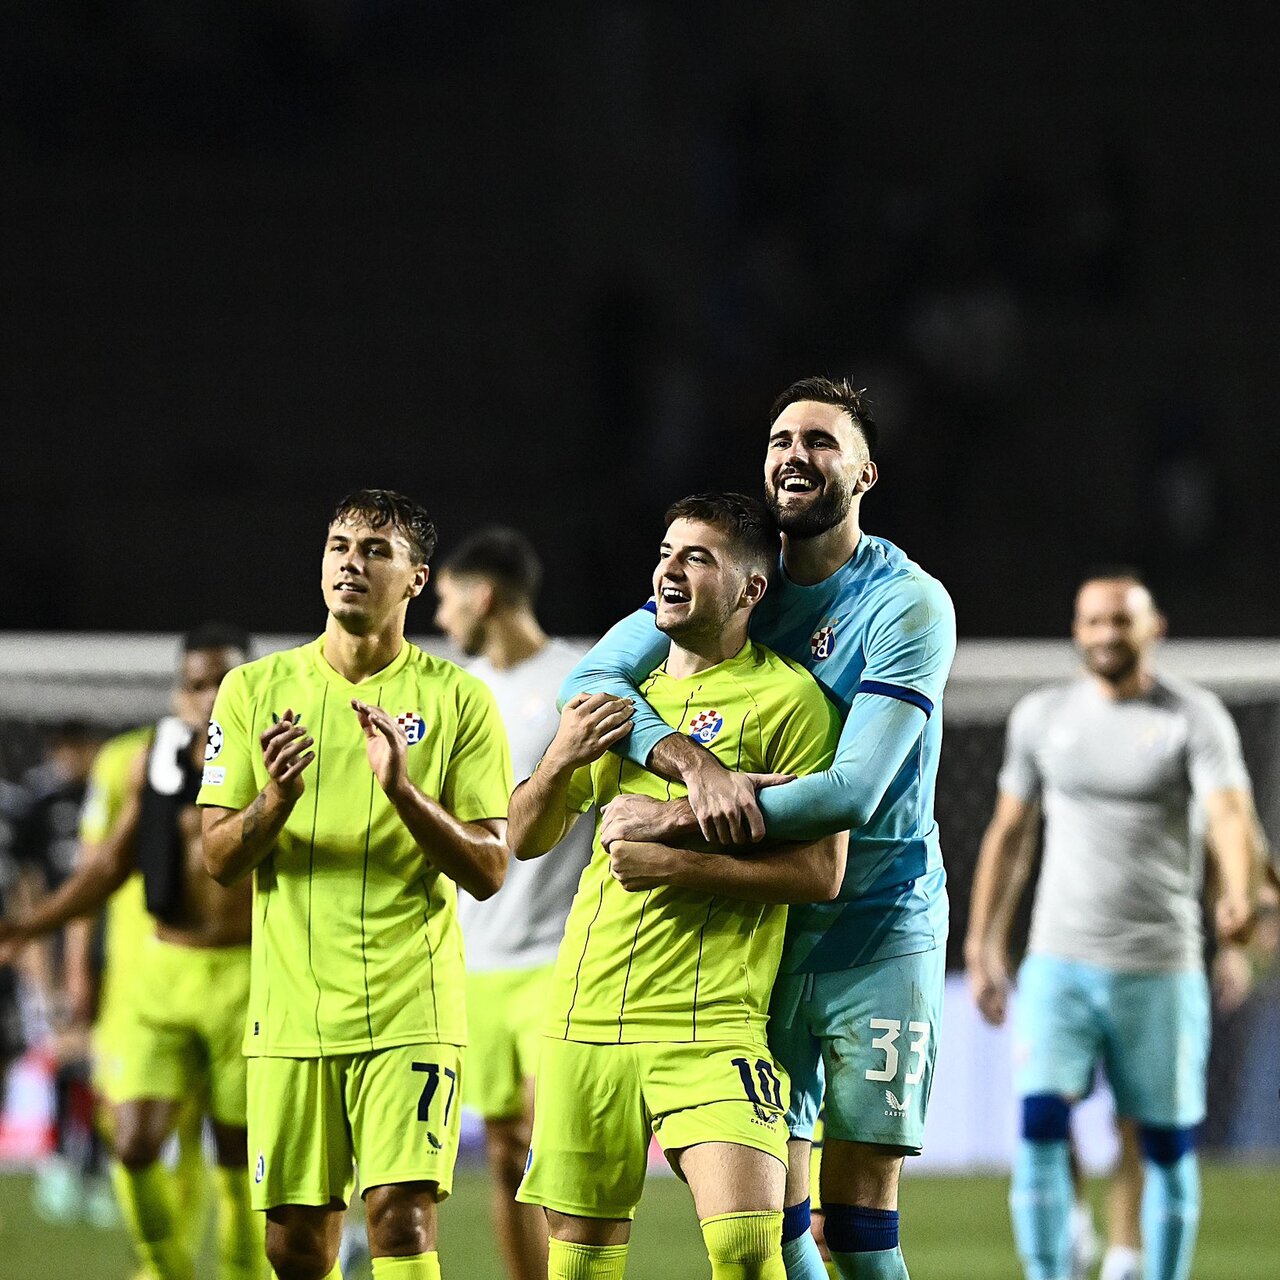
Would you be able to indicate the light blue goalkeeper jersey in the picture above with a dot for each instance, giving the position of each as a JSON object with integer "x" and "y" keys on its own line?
{"x": 879, "y": 636}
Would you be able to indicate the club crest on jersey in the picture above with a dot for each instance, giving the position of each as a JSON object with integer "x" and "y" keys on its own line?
{"x": 213, "y": 744}
{"x": 413, "y": 725}
{"x": 822, "y": 643}
{"x": 705, "y": 725}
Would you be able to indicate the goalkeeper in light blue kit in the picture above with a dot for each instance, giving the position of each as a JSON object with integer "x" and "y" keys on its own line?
{"x": 859, "y": 993}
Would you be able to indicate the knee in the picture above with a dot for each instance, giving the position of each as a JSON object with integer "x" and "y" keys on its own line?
{"x": 856, "y": 1229}
{"x": 135, "y": 1146}
{"x": 507, "y": 1146}
{"x": 297, "y": 1254}
{"x": 402, "y": 1219}
{"x": 1046, "y": 1118}
{"x": 1165, "y": 1145}
{"x": 232, "y": 1146}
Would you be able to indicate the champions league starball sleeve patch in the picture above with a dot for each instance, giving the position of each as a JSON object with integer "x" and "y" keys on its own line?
{"x": 213, "y": 744}
{"x": 705, "y": 725}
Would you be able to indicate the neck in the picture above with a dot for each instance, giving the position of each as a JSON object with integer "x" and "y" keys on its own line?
{"x": 691, "y": 654}
{"x": 512, "y": 638}
{"x": 357, "y": 657}
{"x": 810, "y": 560}
{"x": 1134, "y": 685}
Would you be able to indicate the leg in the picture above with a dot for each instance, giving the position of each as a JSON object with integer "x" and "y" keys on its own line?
{"x": 302, "y": 1240}
{"x": 1040, "y": 1196}
{"x": 1085, "y": 1246}
{"x": 240, "y": 1245}
{"x": 145, "y": 1187}
{"x": 1170, "y": 1201}
{"x": 191, "y": 1174}
{"x": 521, "y": 1228}
{"x": 860, "y": 1199}
{"x": 738, "y": 1193}
{"x": 586, "y": 1248}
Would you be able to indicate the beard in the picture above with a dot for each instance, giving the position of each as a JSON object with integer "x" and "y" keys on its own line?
{"x": 825, "y": 512}
{"x": 1112, "y": 665}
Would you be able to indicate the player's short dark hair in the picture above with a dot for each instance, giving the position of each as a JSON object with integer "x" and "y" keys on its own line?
{"x": 502, "y": 556}
{"x": 381, "y": 507}
{"x": 216, "y": 635}
{"x": 747, "y": 521}
{"x": 839, "y": 392}
{"x": 1116, "y": 573}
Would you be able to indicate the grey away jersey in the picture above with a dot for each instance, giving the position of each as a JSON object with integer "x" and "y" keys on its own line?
{"x": 1122, "y": 869}
{"x": 522, "y": 924}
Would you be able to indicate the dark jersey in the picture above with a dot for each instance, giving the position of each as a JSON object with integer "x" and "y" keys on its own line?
{"x": 172, "y": 784}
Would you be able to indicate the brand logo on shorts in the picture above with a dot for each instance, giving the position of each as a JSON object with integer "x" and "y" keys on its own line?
{"x": 766, "y": 1118}
{"x": 705, "y": 725}
{"x": 213, "y": 744}
{"x": 413, "y": 725}
{"x": 260, "y": 1169}
{"x": 896, "y": 1109}
{"x": 435, "y": 1142}
{"x": 822, "y": 643}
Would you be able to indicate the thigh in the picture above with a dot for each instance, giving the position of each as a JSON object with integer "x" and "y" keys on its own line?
{"x": 798, "y": 1051}
{"x": 726, "y": 1177}
{"x": 1057, "y": 1029}
{"x": 861, "y": 1173}
{"x": 405, "y": 1110}
{"x": 591, "y": 1132}
{"x": 223, "y": 1030}
{"x": 715, "y": 1093}
{"x": 495, "y": 1085}
{"x": 300, "y": 1151}
{"x": 1157, "y": 1047}
{"x": 879, "y": 1026}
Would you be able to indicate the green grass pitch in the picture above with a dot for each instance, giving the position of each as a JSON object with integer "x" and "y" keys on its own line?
{"x": 956, "y": 1228}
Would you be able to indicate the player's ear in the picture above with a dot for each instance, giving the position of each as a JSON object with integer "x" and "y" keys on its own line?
{"x": 485, "y": 597}
{"x": 867, "y": 477}
{"x": 753, "y": 590}
{"x": 419, "y": 581}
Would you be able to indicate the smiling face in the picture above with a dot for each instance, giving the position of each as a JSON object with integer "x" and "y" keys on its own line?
{"x": 1116, "y": 626}
{"x": 816, "y": 464}
{"x": 700, "y": 582}
{"x": 368, "y": 575}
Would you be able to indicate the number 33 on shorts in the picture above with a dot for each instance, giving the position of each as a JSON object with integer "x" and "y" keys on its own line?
{"x": 886, "y": 1042}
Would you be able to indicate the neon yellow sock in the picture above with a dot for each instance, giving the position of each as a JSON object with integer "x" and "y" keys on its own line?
{"x": 585, "y": 1261}
{"x": 335, "y": 1274}
{"x": 242, "y": 1251}
{"x": 421, "y": 1266}
{"x": 833, "y": 1271}
{"x": 191, "y": 1179}
{"x": 146, "y": 1201}
{"x": 745, "y": 1246}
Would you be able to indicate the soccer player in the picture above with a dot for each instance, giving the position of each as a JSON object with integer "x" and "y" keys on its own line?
{"x": 192, "y": 985}
{"x": 359, "y": 779}
{"x": 102, "y": 981}
{"x": 658, "y": 1007}
{"x": 1114, "y": 970}
{"x": 487, "y": 589}
{"x": 859, "y": 998}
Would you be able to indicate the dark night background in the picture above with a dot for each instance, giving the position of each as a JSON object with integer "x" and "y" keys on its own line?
{"x": 548, "y": 265}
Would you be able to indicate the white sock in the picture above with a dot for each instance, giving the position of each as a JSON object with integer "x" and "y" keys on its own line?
{"x": 1121, "y": 1263}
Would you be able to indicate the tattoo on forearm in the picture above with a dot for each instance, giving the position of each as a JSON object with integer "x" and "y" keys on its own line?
{"x": 251, "y": 819}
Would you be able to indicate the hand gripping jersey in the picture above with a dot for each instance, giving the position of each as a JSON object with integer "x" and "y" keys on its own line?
{"x": 356, "y": 944}
{"x": 879, "y": 636}
{"x": 670, "y": 964}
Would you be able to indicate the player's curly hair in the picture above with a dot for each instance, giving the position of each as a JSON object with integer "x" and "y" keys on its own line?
{"x": 381, "y": 507}
{"x": 747, "y": 521}
{"x": 839, "y": 392}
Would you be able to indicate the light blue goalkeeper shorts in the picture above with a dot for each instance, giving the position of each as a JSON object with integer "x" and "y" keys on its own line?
{"x": 1149, "y": 1031}
{"x": 870, "y": 1036}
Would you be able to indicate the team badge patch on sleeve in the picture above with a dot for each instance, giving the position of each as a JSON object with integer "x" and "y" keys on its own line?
{"x": 213, "y": 745}
{"x": 413, "y": 725}
{"x": 705, "y": 725}
{"x": 823, "y": 642}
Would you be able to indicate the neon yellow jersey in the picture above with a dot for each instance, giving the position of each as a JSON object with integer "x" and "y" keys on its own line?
{"x": 670, "y": 964}
{"x": 128, "y": 925}
{"x": 356, "y": 944}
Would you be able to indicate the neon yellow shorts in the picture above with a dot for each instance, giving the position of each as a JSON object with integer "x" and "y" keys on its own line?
{"x": 504, "y": 1022}
{"x": 191, "y": 1004}
{"x": 394, "y": 1112}
{"x": 597, "y": 1105}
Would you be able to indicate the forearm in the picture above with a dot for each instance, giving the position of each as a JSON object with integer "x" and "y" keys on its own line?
{"x": 536, "y": 815}
{"x": 998, "y": 880}
{"x": 236, "y": 841}
{"x": 879, "y": 735}
{"x": 83, "y": 894}
{"x": 809, "y": 872}
{"x": 1235, "y": 855}
{"x": 471, "y": 855}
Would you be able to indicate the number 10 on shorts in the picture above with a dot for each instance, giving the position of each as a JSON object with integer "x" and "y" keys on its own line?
{"x": 887, "y": 1043}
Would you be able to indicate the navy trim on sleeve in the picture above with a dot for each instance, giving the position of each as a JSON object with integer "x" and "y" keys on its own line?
{"x": 897, "y": 691}
{"x": 651, "y": 605}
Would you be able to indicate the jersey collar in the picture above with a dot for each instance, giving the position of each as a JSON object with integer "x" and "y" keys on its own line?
{"x": 389, "y": 672}
{"x": 745, "y": 657}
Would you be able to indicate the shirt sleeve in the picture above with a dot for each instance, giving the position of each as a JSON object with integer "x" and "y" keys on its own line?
{"x": 229, "y": 781}
{"x": 616, "y": 664}
{"x": 581, "y": 790}
{"x": 910, "y": 646}
{"x": 477, "y": 780}
{"x": 1215, "y": 761}
{"x": 1020, "y": 773}
{"x": 805, "y": 742}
